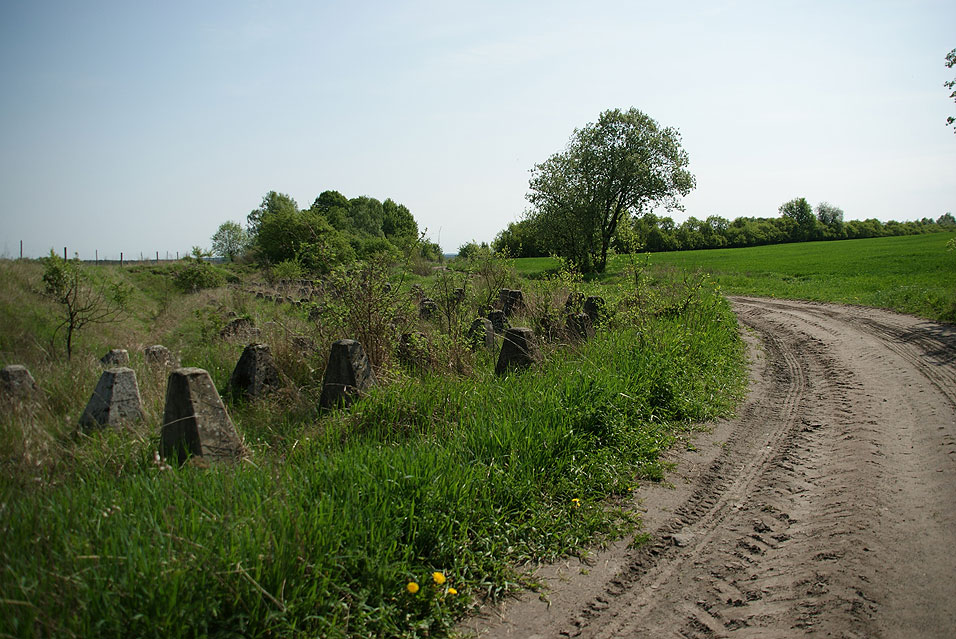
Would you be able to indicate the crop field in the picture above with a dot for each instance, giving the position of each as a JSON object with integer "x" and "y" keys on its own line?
{"x": 913, "y": 274}
{"x": 392, "y": 517}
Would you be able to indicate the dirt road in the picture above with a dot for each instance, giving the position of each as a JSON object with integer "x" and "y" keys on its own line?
{"x": 827, "y": 508}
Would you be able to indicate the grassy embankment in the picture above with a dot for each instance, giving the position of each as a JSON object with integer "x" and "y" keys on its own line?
{"x": 911, "y": 274}
{"x": 320, "y": 530}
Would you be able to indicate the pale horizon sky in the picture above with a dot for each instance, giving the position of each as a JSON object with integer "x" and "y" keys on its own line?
{"x": 141, "y": 127}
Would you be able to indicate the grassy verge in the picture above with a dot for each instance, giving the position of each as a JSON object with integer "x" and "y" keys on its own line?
{"x": 333, "y": 515}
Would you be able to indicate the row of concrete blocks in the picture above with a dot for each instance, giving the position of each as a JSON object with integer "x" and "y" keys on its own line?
{"x": 195, "y": 420}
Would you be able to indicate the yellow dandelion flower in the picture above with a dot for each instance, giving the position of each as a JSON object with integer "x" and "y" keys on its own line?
{"x": 576, "y": 502}
{"x": 452, "y": 591}
{"x": 438, "y": 577}
{"x": 412, "y": 587}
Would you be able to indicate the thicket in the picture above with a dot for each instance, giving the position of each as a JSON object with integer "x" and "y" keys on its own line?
{"x": 333, "y": 231}
{"x": 443, "y": 468}
{"x": 798, "y": 222}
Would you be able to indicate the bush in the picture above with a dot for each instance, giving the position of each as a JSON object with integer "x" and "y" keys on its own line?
{"x": 195, "y": 275}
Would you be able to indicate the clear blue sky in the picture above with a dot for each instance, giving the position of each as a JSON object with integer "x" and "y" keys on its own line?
{"x": 139, "y": 126}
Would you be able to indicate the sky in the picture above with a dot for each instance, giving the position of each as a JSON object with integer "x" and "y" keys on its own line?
{"x": 142, "y": 126}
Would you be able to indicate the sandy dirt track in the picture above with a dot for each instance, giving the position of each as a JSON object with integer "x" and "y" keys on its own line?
{"x": 826, "y": 508}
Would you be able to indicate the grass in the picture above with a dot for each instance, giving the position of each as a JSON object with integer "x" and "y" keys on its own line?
{"x": 913, "y": 274}
{"x": 332, "y": 514}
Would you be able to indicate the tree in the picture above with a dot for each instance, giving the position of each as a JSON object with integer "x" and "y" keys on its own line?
{"x": 334, "y": 206}
{"x": 230, "y": 240}
{"x": 622, "y": 164}
{"x": 273, "y": 203}
{"x": 950, "y": 63}
{"x": 398, "y": 224}
{"x": 365, "y": 216}
{"x": 800, "y": 211}
{"x": 83, "y": 301}
{"x": 831, "y": 218}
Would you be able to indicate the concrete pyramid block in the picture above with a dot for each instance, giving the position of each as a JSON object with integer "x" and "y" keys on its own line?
{"x": 195, "y": 421}
{"x": 158, "y": 355}
{"x": 16, "y": 382}
{"x": 116, "y": 357}
{"x": 481, "y": 334}
{"x": 580, "y": 326}
{"x": 596, "y": 308}
{"x": 518, "y": 351}
{"x": 255, "y": 373}
{"x": 347, "y": 375}
{"x": 115, "y": 401}
{"x": 498, "y": 321}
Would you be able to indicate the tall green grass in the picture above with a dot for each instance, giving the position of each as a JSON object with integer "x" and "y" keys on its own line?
{"x": 322, "y": 528}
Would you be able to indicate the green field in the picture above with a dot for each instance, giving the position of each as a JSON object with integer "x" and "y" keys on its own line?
{"x": 443, "y": 468}
{"x": 913, "y": 274}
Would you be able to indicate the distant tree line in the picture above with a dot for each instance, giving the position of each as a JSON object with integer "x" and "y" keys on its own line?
{"x": 334, "y": 230}
{"x": 797, "y": 222}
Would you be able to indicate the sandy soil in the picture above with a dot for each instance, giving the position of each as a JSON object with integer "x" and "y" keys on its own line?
{"x": 827, "y": 508}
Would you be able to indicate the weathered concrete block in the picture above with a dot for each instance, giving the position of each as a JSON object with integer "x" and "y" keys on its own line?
{"x": 16, "y": 382}
{"x": 413, "y": 350}
{"x": 513, "y": 302}
{"x": 158, "y": 355}
{"x": 518, "y": 351}
{"x": 255, "y": 373}
{"x": 498, "y": 321}
{"x": 481, "y": 334}
{"x": 195, "y": 421}
{"x": 596, "y": 308}
{"x": 574, "y": 303}
{"x": 580, "y": 326}
{"x": 427, "y": 307}
{"x": 241, "y": 327}
{"x": 303, "y": 345}
{"x": 347, "y": 375}
{"x": 115, "y": 401}
{"x": 116, "y": 357}
{"x": 549, "y": 328}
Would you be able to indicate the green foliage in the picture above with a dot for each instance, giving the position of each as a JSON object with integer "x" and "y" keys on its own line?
{"x": 398, "y": 225}
{"x": 230, "y": 240}
{"x": 951, "y": 84}
{"x": 82, "y": 301}
{"x": 287, "y": 270}
{"x": 333, "y": 231}
{"x": 468, "y": 250}
{"x": 520, "y": 239}
{"x": 194, "y": 274}
{"x": 831, "y": 220}
{"x": 801, "y": 213}
{"x": 621, "y": 165}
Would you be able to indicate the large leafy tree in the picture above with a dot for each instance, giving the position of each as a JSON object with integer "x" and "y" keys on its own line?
{"x": 272, "y": 204}
{"x": 804, "y": 221}
{"x": 398, "y": 224}
{"x": 624, "y": 163}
